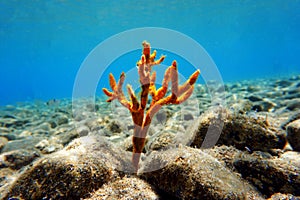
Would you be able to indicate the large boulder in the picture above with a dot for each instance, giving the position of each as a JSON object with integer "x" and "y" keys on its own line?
{"x": 271, "y": 174}
{"x": 189, "y": 173}
{"x": 222, "y": 127}
{"x": 72, "y": 173}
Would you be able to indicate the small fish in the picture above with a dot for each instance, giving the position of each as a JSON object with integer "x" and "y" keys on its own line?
{"x": 248, "y": 149}
{"x": 52, "y": 102}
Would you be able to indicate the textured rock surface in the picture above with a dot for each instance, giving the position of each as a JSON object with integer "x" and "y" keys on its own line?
{"x": 71, "y": 173}
{"x": 17, "y": 159}
{"x": 237, "y": 130}
{"x": 293, "y": 134}
{"x": 225, "y": 154}
{"x": 270, "y": 175}
{"x": 193, "y": 174}
{"x": 28, "y": 144}
{"x": 124, "y": 189}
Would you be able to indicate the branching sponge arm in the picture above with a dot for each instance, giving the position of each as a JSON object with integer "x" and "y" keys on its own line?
{"x": 140, "y": 117}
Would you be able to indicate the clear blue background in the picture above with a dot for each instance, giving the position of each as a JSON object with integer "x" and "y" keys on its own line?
{"x": 43, "y": 43}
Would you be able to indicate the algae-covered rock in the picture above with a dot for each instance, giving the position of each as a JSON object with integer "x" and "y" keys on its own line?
{"x": 72, "y": 173}
{"x": 161, "y": 140}
{"x": 17, "y": 159}
{"x": 116, "y": 127}
{"x": 244, "y": 132}
{"x": 66, "y": 137}
{"x": 193, "y": 174}
{"x": 124, "y": 189}
{"x": 59, "y": 177}
{"x": 224, "y": 154}
{"x": 269, "y": 174}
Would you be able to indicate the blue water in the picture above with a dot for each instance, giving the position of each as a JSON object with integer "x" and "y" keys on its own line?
{"x": 43, "y": 43}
